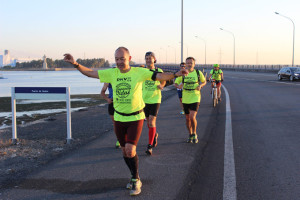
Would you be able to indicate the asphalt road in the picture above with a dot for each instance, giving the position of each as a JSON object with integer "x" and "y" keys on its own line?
{"x": 265, "y": 135}
{"x": 265, "y": 130}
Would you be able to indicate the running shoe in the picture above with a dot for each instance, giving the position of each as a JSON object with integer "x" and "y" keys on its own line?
{"x": 155, "y": 140}
{"x": 129, "y": 185}
{"x": 118, "y": 146}
{"x": 195, "y": 138}
{"x": 149, "y": 150}
{"x": 182, "y": 112}
{"x": 136, "y": 187}
{"x": 190, "y": 139}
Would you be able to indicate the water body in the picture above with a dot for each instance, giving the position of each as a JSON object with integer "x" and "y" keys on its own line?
{"x": 78, "y": 83}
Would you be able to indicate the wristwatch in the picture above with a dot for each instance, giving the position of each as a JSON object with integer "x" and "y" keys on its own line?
{"x": 76, "y": 65}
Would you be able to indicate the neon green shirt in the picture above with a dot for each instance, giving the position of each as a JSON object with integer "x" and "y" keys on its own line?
{"x": 127, "y": 89}
{"x": 216, "y": 74}
{"x": 189, "y": 92}
{"x": 177, "y": 81}
{"x": 151, "y": 94}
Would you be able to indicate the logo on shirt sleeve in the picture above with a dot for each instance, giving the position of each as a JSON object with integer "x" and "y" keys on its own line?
{"x": 123, "y": 90}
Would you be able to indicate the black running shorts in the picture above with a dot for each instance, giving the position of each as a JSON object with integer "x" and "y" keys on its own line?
{"x": 151, "y": 109}
{"x": 190, "y": 106}
{"x": 111, "y": 109}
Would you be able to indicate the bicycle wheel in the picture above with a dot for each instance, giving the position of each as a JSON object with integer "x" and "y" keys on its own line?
{"x": 215, "y": 99}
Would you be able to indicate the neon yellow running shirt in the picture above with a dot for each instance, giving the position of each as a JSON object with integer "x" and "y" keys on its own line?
{"x": 151, "y": 94}
{"x": 189, "y": 92}
{"x": 127, "y": 89}
{"x": 216, "y": 74}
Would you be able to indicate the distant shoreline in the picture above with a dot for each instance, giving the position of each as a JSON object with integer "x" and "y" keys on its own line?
{"x": 52, "y": 69}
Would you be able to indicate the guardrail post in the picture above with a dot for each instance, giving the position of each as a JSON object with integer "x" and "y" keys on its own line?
{"x": 14, "y": 139}
{"x": 68, "y": 104}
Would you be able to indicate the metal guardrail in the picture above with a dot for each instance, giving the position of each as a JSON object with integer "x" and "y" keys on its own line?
{"x": 257, "y": 68}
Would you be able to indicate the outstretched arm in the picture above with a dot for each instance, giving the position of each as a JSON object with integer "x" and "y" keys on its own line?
{"x": 169, "y": 75}
{"x": 84, "y": 70}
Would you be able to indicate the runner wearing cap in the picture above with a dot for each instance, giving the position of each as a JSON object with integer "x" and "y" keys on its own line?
{"x": 216, "y": 74}
{"x": 152, "y": 98}
{"x": 128, "y": 104}
{"x": 191, "y": 96}
{"x": 179, "y": 88}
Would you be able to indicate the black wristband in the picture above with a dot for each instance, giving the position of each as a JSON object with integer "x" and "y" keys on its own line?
{"x": 175, "y": 74}
{"x": 76, "y": 65}
{"x": 154, "y": 76}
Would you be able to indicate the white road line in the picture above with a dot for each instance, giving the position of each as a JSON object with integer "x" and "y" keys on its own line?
{"x": 229, "y": 182}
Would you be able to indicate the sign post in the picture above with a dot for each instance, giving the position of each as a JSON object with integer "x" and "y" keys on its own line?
{"x": 40, "y": 93}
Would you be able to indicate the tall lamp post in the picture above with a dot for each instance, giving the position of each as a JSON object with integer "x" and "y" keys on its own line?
{"x": 233, "y": 43}
{"x": 187, "y": 50}
{"x": 181, "y": 30}
{"x": 293, "y": 35}
{"x": 204, "y": 44}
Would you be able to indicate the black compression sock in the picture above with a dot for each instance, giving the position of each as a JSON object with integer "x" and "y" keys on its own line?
{"x": 134, "y": 163}
{"x": 128, "y": 164}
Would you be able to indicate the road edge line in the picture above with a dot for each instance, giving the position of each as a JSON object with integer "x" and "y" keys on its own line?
{"x": 229, "y": 181}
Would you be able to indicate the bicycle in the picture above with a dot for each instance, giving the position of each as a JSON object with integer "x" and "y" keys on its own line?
{"x": 214, "y": 93}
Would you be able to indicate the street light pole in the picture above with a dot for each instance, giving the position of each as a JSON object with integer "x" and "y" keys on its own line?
{"x": 181, "y": 30}
{"x": 293, "y": 35}
{"x": 233, "y": 44}
{"x": 204, "y": 44}
{"x": 187, "y": 50}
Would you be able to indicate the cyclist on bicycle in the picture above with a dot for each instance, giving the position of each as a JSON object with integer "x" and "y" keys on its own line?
{"x": 216, "y": 74}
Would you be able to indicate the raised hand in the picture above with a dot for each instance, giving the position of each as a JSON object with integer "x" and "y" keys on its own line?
{"x": 69, "y": 58}
{"x": 182, "y": 72}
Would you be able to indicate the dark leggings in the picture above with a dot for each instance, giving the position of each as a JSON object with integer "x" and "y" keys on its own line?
{"x": 129, "y": 132}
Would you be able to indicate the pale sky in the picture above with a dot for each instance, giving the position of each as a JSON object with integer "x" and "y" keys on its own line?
{"x": 95, "y": 28}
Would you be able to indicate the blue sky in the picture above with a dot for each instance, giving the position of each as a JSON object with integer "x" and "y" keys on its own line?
{"x": 95, "y": 28}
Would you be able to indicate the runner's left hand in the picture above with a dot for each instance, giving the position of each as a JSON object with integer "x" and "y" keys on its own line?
{"x": 160, "y": 87}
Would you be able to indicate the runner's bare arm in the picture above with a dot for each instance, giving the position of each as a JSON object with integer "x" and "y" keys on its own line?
{"x": 161, "y": 85}
{"x": 169, "y": 75}
{"x": 103, "y": 90}
{"x": 201, "y": 85}
{"x": 84, "y": 70}
{"x": 178, "y": 86}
